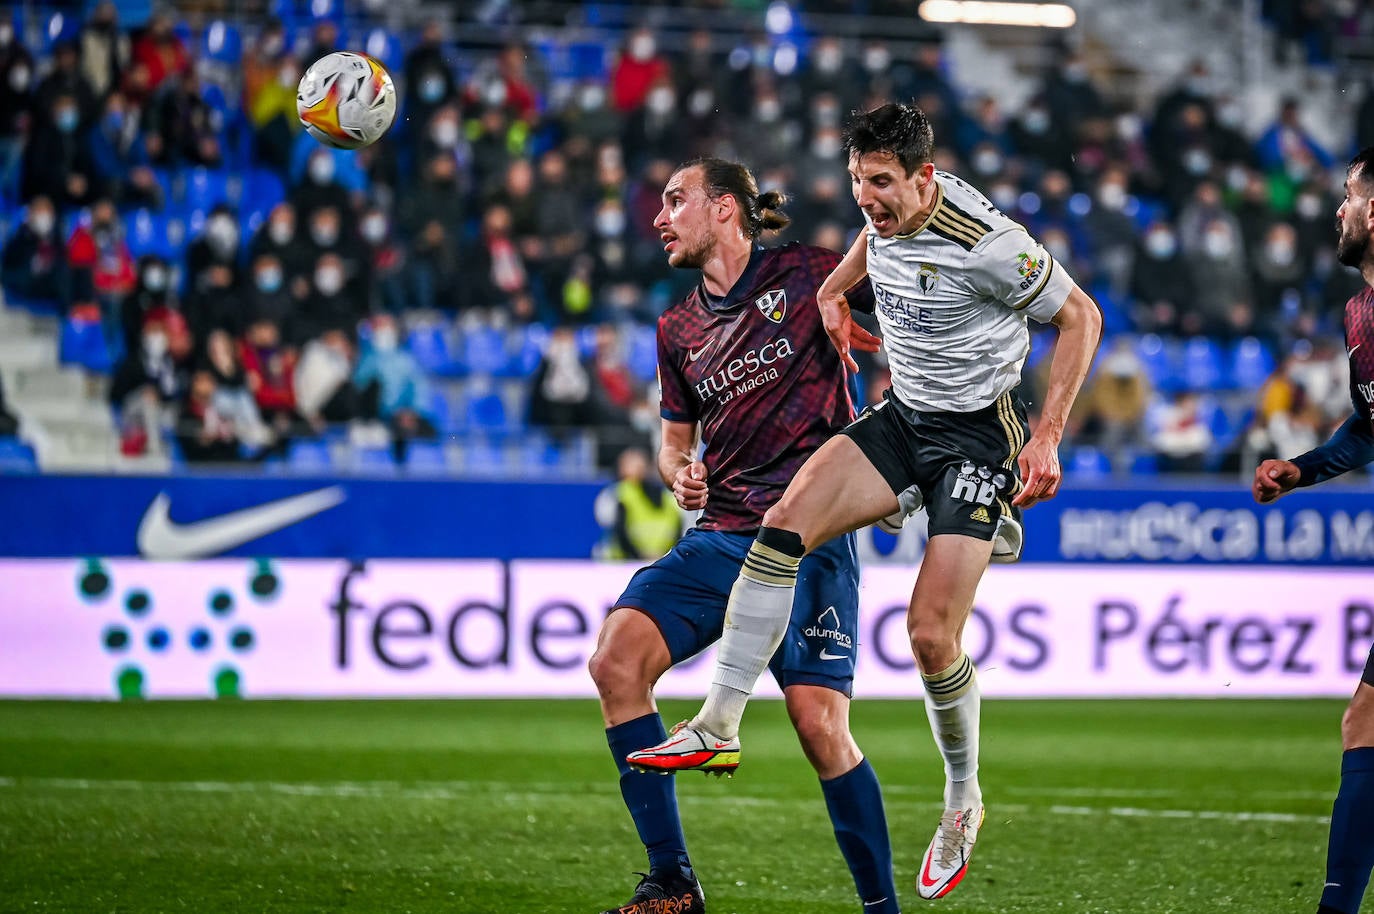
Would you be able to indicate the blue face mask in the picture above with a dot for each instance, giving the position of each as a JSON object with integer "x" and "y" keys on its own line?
{"x": 67, "y": 119}
{"x": 269, "y": 280}
{"x": 114, "y": 121}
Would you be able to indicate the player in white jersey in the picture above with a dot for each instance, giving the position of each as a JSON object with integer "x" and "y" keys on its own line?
{"x": 954, "y": 281}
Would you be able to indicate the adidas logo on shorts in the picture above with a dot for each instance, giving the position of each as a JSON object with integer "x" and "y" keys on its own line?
{"x": 980, "y": 514}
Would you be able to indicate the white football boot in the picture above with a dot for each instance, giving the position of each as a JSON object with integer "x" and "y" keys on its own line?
{"x": 946, "y": 860}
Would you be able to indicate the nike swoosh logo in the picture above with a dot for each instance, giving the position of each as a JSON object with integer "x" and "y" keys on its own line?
{"x": 693, "y": 355}
{"x": 160, "y": 537}
{"x": 826, "y": 655}
{"x": 869, "y": 904}
{"x": 720, "y": 745}
{"x": 925, "y": 876}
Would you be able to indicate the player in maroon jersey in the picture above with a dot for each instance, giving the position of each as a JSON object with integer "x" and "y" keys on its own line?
{"x": 746, "y": 369}
{"x": 1350, "y": 848}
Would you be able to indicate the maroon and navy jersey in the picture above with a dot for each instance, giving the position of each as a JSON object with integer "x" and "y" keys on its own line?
{"x": 758, "y": 373}
{"x": 1359, "y": 343}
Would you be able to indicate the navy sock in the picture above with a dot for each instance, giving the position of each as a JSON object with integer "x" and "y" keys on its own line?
{"x": 855, "y": 802}
{"x": 1350, "y": 850}
{"x": 651, "y": 798}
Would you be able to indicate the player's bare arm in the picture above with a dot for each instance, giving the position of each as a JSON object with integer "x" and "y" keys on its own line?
{"x": 839, "y": 323}
{"x": 1080, "y": 330}
{"x": 679, "y": 466}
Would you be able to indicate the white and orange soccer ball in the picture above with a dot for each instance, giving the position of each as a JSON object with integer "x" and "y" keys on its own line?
{"x": 346, "y": 100}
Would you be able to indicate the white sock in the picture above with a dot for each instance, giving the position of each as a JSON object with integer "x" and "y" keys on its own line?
{"x": 952, "y": 705}
{"x": 755, "y": 621}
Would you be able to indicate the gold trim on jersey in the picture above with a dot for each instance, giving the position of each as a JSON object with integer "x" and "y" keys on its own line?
{"x": 1016, "y": 439}
{"x": 939, "y": 199}
{"x": 1038, "y": 289}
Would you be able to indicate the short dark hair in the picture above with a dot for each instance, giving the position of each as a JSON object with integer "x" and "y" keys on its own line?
{"x": 1364, "y": 162}
{"x": 902, "y": 130}
{"x": 759, "y": 212}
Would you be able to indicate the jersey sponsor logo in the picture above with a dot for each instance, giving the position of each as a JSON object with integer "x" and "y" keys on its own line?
{"x": 1029, "y": 267}
{"x": 928, "y": 276}
{"x": 694, "y": 354}
{"x": 827, "y": 628}
{"x": 1366, "y": 390}
{"x": 901, "y": 311}
{"x": 743, "y": 374}
{"x": 773, "y": 305}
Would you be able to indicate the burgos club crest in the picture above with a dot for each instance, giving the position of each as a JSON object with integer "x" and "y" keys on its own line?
{"x": 773, "y": 305}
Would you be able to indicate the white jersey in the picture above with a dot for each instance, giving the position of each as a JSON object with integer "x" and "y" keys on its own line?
{"x": 952, "y": 299}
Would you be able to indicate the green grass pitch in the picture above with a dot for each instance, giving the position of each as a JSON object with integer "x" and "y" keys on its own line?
{"x": 1115, "y": 806}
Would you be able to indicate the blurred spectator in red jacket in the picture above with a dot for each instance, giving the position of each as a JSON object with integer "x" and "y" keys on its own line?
{"x": 102, "y": 267}
{"x": 636, "y": 70}
{"x": 160, "y": 52}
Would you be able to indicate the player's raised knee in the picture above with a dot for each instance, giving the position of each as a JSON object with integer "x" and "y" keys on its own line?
{"x": 934, "y": 646}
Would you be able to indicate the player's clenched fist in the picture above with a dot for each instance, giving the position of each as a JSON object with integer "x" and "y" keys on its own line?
{"x": 689, "y": 486}
{"x": 1274, "y": 478}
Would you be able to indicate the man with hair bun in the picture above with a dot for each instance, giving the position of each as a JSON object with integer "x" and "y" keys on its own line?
{"x": 746, "y": 372}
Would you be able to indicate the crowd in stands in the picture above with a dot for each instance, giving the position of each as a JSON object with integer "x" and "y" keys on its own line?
{"x": 246, "y": 287}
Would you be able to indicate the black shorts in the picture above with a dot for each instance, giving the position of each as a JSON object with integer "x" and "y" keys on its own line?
{"x": 963, "y": 463}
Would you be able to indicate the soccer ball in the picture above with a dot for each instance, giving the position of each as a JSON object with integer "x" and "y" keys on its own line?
{"x": 346, "y": 100}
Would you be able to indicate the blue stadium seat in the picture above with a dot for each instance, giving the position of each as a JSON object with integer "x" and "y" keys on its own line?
{"x": 1203, "y": 367}
{"x": 83, "y": 343}
{"x": 1161, "y": 358}
{"x": 540, "y": 455}
{"x": 372, "y": 461}
{"x": 428, "y": 343}
{"x": 262, "y": 189}
{"x": 382, "y": 45}
{"x": 642, "y": 354}
{"x": 16, "y": 457}
{"x": 484, "y": 409}
{"x": 148, "y": 232}
{"x": 1251, "y": 363}
{"x": 309, "y": 455}
{"x": 426, "y": 458}
{"x": 484, "y": 351}
{"x": 484, "y": 455}
{"x": 526, "y": 352}
{"x": 1087, "y": 461}
{"x": 205, "y": 188}
{"x": 587, "y": 60}
{"x": 220, "y": 42}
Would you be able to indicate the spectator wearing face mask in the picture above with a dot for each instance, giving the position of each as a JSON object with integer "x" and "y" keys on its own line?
{"x": 319, "y": 189}
{"x": 828, "y": 71}
{"x": 180, "y": 126}
{"x": 105, "y": 50}
{"x": 16, "y": 105}
{"x": 102, "y": 269}
{"x": 121, "y": 167}
{"x": 1280, "y": 278}
{"x": 66, "y": 79}
{"x": 504, "y": 83}
{"x": 204, "y": 433}
{"x": 324, "y": 381}
{"x": 148, "y": 380}
{"x": 1035, "y": 137}
{"x": 268, "y": 297}
{"x": 1221, "y": 281}
{"x": 215, "y": 302}
{"x": 269, "y": 368}
{"x": 160, "y": 52}
{"x": 637, "y": 68}
{"x": 429, "y": 80}
{"x": 34, "y": 264}
{"x": 348, "y": 170}
{"x": 1161, "y": 285}
{"x": 386, "y": 259}
{"x": 284, "y": 238}
{"x": 1110, "y": 232}
{"x": 656, "y": 129}
{"x": 495, "y": 272}
{"x": 329, "y": 234}
{"x": 232, "y": 399}
{"x": 149, "y": 300}
{"x": 57, "y": 162}
{"x": 404, "y": 397}
{"x": 434, "y": 241}
{"x": 588, "y": 120}
{"x": 330, "y": 306}
{"x": 218, "y": 245}
{"x": 1286, "y": 144}
{"x": 561, "y": 389}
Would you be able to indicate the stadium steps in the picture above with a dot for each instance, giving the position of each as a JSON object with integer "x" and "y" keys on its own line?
{"x": 46, "y": 383}
{"x": 18, "y": 352}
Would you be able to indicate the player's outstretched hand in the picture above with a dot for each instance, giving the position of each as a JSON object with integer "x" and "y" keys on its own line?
{"x": 844, "y": 333}
{"x": 1040, "y": 472}
{"x": 1274, "y": 478}
{"x": 689, "y": 486}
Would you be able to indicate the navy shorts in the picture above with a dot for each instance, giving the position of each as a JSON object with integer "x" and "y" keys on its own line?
{"x": 685, "y": 593}
{"x": 1368, "y": 675}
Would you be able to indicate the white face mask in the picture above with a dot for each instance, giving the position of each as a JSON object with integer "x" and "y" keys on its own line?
{"x": 1218, "y": 244}
{"x": 660, "y": 100}
{"x": 222, "y": 233}
{"x": 643, "y": 47}
{"x": 1197, "y": 161}
{"x": 1003, "y": 197}
{"x": 322, "y": 169}
{"x": 1161, "y": 245}
{"x": 155, "y": 345}
{"x": 877, "y": 59}
{"x": 1111, "y": 196}
{"x": 591, "y": 98}
{"x": 155, "y": 279}
{"x": 826, "y": 147}
{"x": 987, "y": 162}
{"x": 1037, "y": 121}
{"x": 329, "y": 280}
{"x": 769, "y": 110}
{"x": 610, "y": 222}
{"x": 701, "y": 102}
{"x": 444, "y": 134}
{"x": 324, "y": 235}
{"x": 1308, "y": 206}
{"x": 374, "y": 228}
{"x": 41, "y": 223}
{"x": 828, "y": 59}
{"x": 19, "y": 78}
{"x": 280, "y": 232}
{"x": 1280, "y": 253}
{"x": 384, "y": 339}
